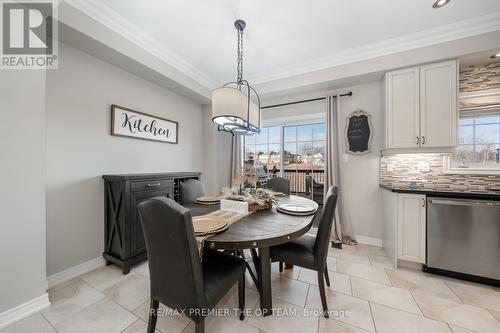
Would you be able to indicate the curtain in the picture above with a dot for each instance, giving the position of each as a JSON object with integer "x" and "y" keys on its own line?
{"x": 236, "y": 160}
{"x": 341, "y": 232}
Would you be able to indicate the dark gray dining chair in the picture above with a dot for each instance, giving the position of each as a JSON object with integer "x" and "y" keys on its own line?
{"x": 314, "y": 189}
{"x": 279, "y": 184}
{"x": 179, "y": 278}
{"x": 311, "y": 252}
{"x": 191, "y": 190}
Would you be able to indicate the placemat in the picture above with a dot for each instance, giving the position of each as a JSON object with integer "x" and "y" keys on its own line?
{"x": 230, "y": 218}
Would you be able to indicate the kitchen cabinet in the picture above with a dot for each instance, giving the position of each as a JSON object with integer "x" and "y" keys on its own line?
{"x": 404, "y": 227}
{"x": 403, "y": 108}
{"x": 421, "y": 106}
{"x": 411, "y": 227}
{"x": 438, "y": 104}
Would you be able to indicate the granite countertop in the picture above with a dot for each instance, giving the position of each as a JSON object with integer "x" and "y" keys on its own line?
{"x": 475, "y": 194}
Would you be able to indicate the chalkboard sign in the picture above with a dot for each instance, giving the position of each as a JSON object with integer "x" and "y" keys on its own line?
{"x": 358, "y": 133}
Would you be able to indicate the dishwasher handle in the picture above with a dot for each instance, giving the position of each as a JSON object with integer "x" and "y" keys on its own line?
{"x": 465, "y": 203}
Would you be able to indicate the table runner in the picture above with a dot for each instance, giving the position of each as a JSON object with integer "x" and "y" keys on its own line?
{"x": 229, "y": 217}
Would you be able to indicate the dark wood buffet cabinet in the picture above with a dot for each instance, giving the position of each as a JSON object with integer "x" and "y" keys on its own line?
{"x": 123, "y": 237}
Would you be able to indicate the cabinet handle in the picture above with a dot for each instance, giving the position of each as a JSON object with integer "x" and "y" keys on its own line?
{"x": 153, "y": 185}
{"x": 423, "y": 140}
{"x": 418, "y": 140}
{"x": 423, "y": 202}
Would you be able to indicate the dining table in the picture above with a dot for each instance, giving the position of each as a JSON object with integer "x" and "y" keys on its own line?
{"x": 257, "y": 232}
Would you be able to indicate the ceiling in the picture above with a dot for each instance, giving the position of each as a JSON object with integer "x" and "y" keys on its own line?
{"x": 283, "y": 37}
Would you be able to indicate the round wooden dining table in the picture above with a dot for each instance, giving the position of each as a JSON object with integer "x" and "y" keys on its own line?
{"x": 257, "y": 232}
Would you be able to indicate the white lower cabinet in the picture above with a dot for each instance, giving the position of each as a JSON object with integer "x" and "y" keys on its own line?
{"x": 411, "y": 227}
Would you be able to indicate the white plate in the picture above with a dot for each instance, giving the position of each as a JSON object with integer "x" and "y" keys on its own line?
{"x": 277, "y": 194}
{"x": 207, "y": 202}
{"x": 297, "y": 208}
{"x": 295, "y": 213}
{"x": 206, "y": 224}
{"x": 208, "y": 199}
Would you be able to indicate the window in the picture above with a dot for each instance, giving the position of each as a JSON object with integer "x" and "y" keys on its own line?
{"x": 265, "y": 149}
{"x": 294, "y": 152}
{"x": 304, "y": 147}
{"x": 478, "y": 143}
{"x": 303, "y": 154}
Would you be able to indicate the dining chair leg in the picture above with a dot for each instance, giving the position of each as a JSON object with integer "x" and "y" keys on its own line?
{"x": 327, "y": 277}
{"x": 281, "y": 266}
{"x": 241, "y": 296}
{"x": 200, "y": 326}
{"x": 322, "y": 293}
{"x": 153, "y": 315}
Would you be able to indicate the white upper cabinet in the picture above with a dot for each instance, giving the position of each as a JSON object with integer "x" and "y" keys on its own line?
{"x": 403, "y": 108}
{"x": 421, "y": 106}
{"x": 438, "y": 104}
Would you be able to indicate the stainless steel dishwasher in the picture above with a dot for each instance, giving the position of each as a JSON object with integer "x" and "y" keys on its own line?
{"x": 463, "y": 238}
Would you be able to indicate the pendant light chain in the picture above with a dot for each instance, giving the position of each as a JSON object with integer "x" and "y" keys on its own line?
{"x": 239, "y": 79}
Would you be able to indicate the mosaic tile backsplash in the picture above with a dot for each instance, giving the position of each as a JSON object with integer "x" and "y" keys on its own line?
{"x": 480, "y": 77}
{"x": 406, "y": 174}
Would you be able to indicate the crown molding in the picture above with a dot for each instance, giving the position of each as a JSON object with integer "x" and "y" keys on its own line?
{"x": 442, "y": 34}
{"x": 106, "y": 16}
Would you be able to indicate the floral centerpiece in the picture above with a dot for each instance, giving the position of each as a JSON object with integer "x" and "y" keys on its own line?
{"x": 257, "y": 198}
{"x": 244, "y": 189}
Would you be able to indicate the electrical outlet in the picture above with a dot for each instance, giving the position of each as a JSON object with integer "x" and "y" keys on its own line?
{"x": 345, "y": 158}
{"x": 423, "y": 166}
{"x": 390, "y": 167}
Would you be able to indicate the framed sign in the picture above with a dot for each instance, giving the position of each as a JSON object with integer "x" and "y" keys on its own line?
{"x": 358, "y": 133}
{"x": 135, "y": 124}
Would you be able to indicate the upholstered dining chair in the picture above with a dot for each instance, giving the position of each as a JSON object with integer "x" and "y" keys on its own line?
{"x": 191, "y": 190}
{"x": 314, "y": 189}
{"x": 279, "y": 184}
{"x": 311, "y": 252}
{"x": 179, "y": 278}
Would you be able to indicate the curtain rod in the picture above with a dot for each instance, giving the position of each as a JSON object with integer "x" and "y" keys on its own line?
{"x": 304, "y": 101}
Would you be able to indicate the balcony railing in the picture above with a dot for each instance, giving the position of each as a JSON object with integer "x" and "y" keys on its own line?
{"x": 297, "y": 178}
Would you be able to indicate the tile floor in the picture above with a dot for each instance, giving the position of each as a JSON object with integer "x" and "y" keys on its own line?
{"x": 366, "y": 295}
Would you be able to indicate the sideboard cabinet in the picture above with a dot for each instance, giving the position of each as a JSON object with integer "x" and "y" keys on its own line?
{"x": 124, "y": 243}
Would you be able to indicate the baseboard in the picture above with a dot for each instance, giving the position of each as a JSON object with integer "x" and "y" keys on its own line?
{"x": 410, "y": 265}
{"x": 75, "y": 271}
{"x": 369, "y": 241}
{"x": 24, "y": 310}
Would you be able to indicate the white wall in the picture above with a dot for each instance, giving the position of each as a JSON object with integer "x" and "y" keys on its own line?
{"x": 359, "y": 174}
{"x": 80, "y": 148}
{"x": 362, "y": 197}
{"x": 22, "y": 198}
{"x": 216, "y": 155}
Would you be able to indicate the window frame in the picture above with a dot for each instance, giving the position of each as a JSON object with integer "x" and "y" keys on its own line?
{"x": 305, "y": 121}
{"x": 448, "y": 168}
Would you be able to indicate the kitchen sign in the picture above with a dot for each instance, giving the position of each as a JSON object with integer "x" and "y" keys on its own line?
{"x": 135, "y": 124}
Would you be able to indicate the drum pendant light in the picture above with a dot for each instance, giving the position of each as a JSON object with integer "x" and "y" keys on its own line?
{"x": 236, "y": 105}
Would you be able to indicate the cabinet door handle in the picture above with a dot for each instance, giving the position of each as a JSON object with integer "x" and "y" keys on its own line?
{"x": 418, "y": 140}
{"x": 153, "y": 185}
{"x": 423, "y": 202}
{"x": 423, "y": 140}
